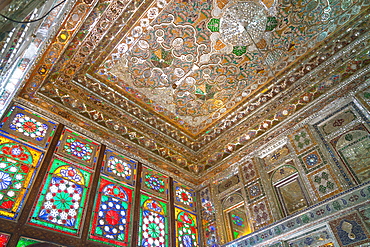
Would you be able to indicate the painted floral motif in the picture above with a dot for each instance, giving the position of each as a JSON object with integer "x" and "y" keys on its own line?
{"x": 186, "y": 230}
{"x": 30, "y": 127}
{"x": 183, "y": 196}
{"x": 78, "y": 149}
{"x": 119, "y": 168}
{"x": 154, "y": 182}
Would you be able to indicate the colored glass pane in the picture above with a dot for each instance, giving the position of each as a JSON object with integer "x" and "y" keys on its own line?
{"x": 4, "y": 238}
{"x": 119, "y": 167}
{"x": 78, "y": 148}
{"x": 155, "y": 182}
{"x": 27, "y": 241}
{"x": 28, "y": 126}
{"x": 60, "y": 205}
{"x": 22, "y": 242}
{"x": 153, "y": 231}
{"x": 17, "y": 167}
{"x": 184, "y": 196}
{"x": 111, "y": 218}
{"x": 186, "y": 229}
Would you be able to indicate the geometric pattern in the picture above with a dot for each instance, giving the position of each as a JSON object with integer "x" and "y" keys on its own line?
{"x": 78, "y": 148}
{"x": 261, "y": 214}
{"x": 154, "y": 182}
{"x": 153, "y": 226}
{"x": 119, "y": 167}
{"x": 28, "y": 126}
{"x": 324, "y": 183}
{"x": 111, "y": 216}
{"x": 61, "y": 202}
{"x": 350, "y": 231}
{"x": 186, "y": 229}
{"x": 312, "y": 159}
{"x": 254, "y": 191}
{"x": 184, "y": 196}
{"x": 249, "y": 172}
{"x": 301, "y": 140}
{"x": 18, "y": 165}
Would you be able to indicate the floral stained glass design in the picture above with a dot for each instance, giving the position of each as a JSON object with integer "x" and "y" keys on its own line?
{"x": 153, "y": 223}
{"x": 119, "y": 167}
{"x": 28, "y": 126}
{"x": 186, "y": 229}
{"x": 60, "y": 205}
{"x": 184, "y": 196}
{"x": 79, "y": 149}
{"x": 155, "y": 182}
{"x": 111, "y": 218}
{"x": 18, "y": 163}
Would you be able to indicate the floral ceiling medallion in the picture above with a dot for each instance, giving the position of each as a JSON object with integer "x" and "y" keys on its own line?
{"x": 243, "y": 23}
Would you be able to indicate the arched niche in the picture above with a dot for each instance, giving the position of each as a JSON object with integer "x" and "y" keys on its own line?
{"x": 289, "y": 189}
{"x": 354, "y": 149}
{"x": 235, "y": 216}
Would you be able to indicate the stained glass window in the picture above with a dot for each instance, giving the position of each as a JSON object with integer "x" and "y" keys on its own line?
{"x": 23, "y": 241}
{"x": 4, "y": 238}
{"x": 28, "y": 126}
{"x": 110, "y": 224}
{"x": 186, "y": 229}
{"x": 154, "y": 182}
{"x": 119, "y": 167}
{"x": 153, "y": 231}
{"x": 18, "y": 164}
{"x": 78, "y": 148}
{"x": 184, "y": 196}
{"x": 60, "y": 206}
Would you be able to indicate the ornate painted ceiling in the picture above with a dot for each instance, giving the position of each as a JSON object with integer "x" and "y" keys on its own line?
{"x": 186, "y": 84}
